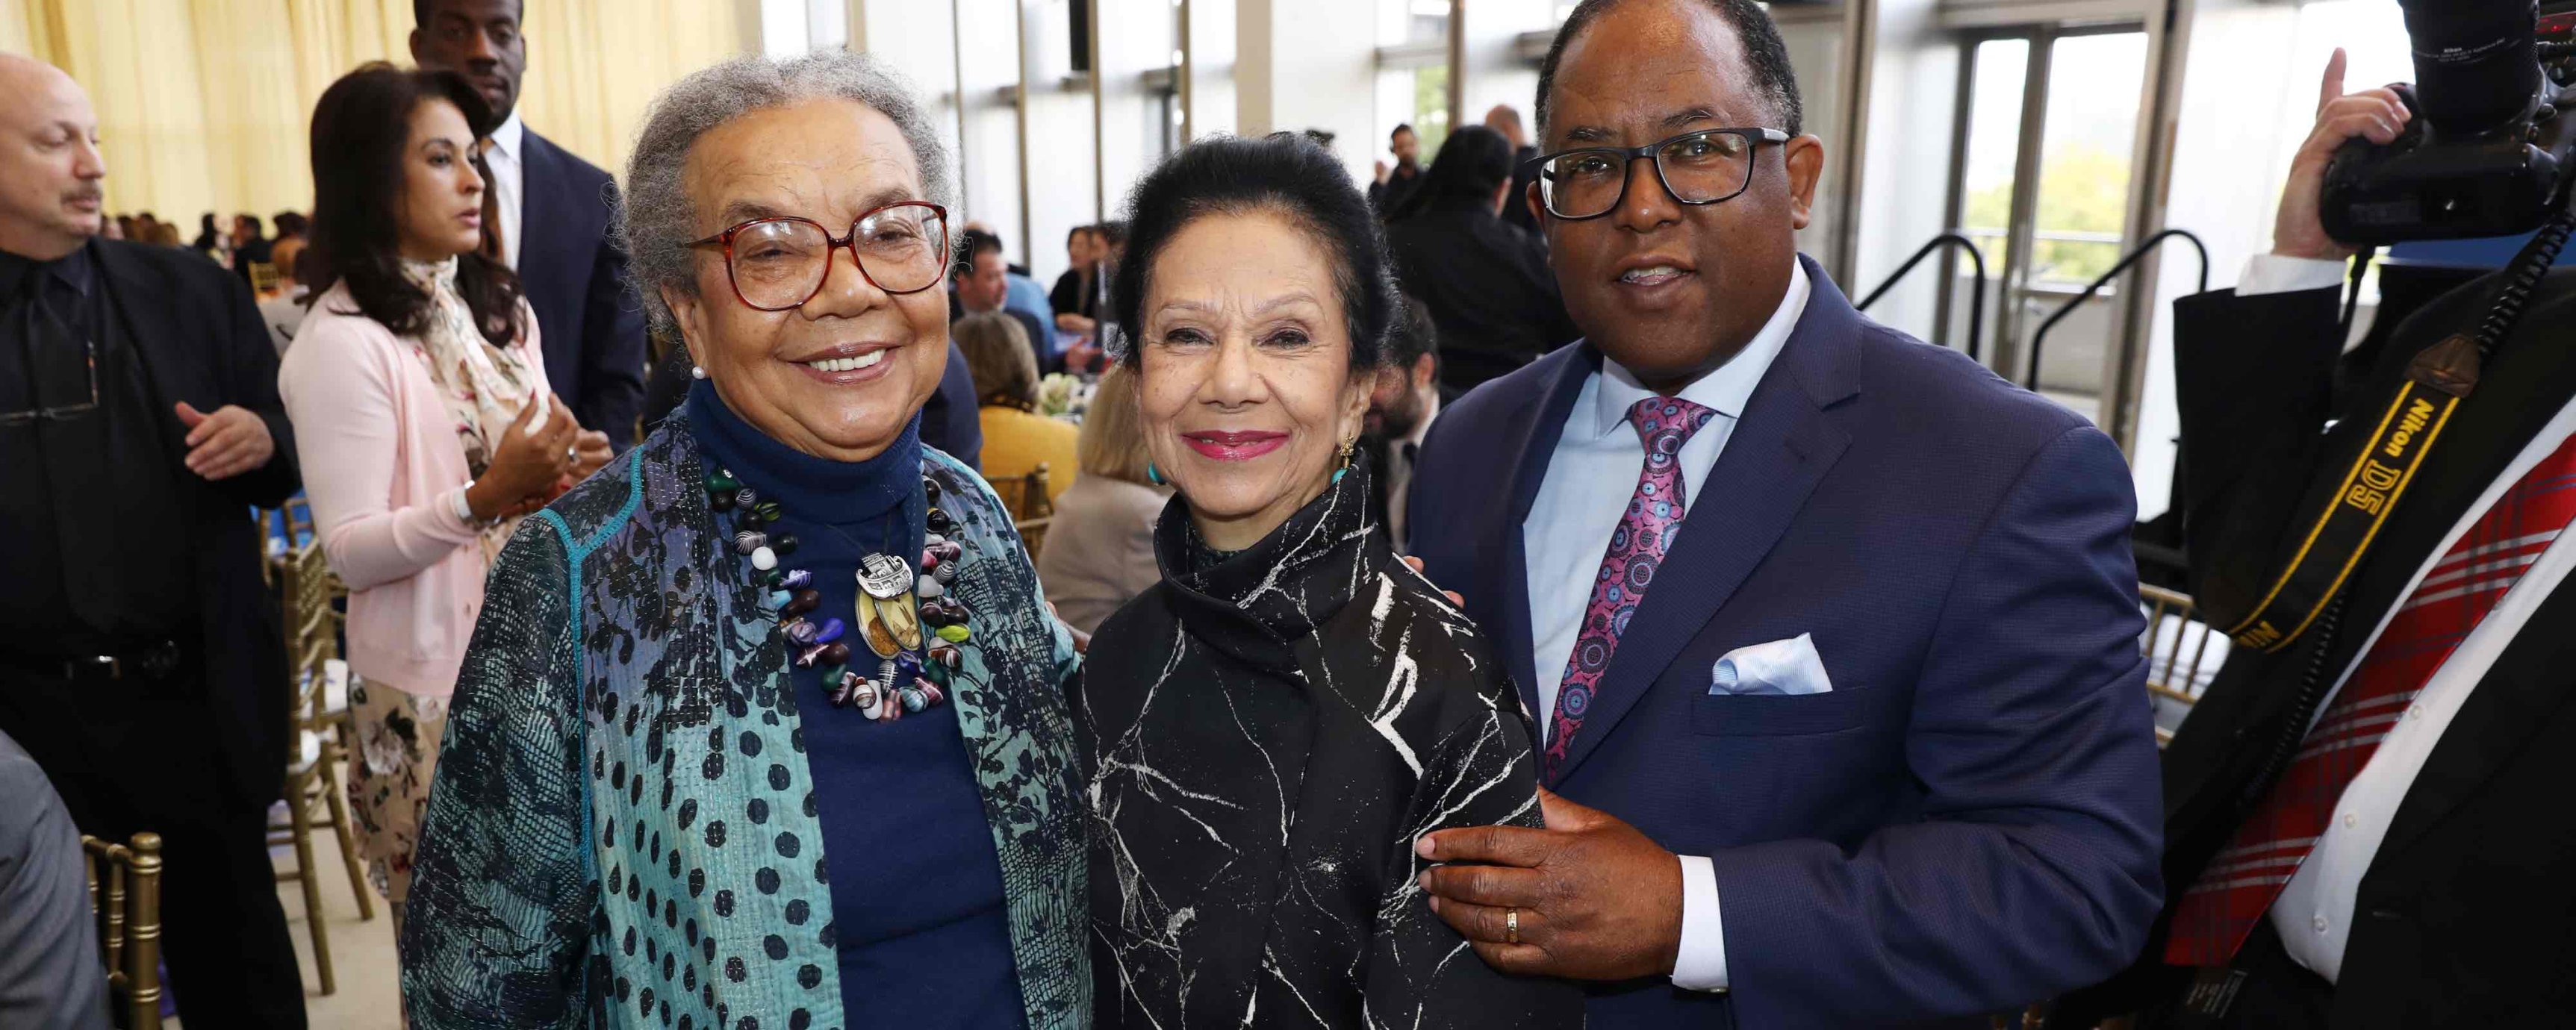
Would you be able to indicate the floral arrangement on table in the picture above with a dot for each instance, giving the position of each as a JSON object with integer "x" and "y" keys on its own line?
{"x": 1064, "y": 396}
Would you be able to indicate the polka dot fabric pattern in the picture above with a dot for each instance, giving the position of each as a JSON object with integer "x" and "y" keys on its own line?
{"x": 632, "y": 838}
{"x": 1644, "y": 535}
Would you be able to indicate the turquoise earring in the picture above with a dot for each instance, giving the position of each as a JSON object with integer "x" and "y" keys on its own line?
{"x": 1347, "y": 446}
{"x": 1153, "y": 475}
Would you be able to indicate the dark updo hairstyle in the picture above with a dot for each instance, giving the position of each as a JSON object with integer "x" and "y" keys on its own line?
{"x": 361, "y": 153}
{"x": 1473, "y": 163}
{"x": 1283, "y": 174}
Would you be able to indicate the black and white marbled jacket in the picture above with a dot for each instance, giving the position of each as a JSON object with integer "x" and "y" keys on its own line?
{"x": 1265, "y": 738}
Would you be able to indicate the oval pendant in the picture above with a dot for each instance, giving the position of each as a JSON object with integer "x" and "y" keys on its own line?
{"x": 891, "y": 626}
{"x": 884, "y": 577}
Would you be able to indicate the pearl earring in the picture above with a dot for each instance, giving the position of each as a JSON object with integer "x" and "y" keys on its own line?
{"x": 696, "y": 372}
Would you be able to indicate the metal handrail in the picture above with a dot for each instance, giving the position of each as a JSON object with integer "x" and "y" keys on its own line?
{"x": 1976, "y": 301}
{"x": 2039, "y": 338}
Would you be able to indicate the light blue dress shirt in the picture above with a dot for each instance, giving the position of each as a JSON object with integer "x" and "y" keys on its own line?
{"x": 1590, "y": 479}
{"x": 1025, "y": 295}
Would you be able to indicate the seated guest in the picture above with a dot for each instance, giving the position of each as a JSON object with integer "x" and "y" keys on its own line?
{"x": 249, "y": 246}
{"x": 1100, "y": 548}
{"x": 982, "y": 285}
{"x": 1022, "y": 293}
{"x": 1487, "y": 283}
{"x": 284, "y": 313}
{"x": 49, "y": 969}
{"x": 774, "y": 699}
{"x": 1076, "y": 297}
{"x": 1271, "y": 727}
{"x": 427, "y": 426}
{"x": 1017, "y": 440}
{"x": 1401, "y": 407}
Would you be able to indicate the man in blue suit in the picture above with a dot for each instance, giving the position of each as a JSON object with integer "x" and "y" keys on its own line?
{"x": 557, "y": 220}
{"x": 1830, "y": 637}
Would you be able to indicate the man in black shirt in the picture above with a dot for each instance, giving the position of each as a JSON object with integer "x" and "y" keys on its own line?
{"x": 251, "y": 245}
{"x": 1506, "y": 119}
{"x": 1486, "y": 283}
{"x": 1395, "y": 185}
{"x": 144, "y": 668}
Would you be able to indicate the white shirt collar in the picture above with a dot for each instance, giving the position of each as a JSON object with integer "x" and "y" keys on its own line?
{"x": 506, "y": 138}
{"x": 1724, "y": 390}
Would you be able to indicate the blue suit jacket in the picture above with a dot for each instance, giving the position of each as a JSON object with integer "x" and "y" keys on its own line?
{"x": 575, "y": 278}
{"x": 1969, "y": 821}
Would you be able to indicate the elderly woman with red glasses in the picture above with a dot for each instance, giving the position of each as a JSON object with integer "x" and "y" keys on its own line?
{"x": 763, "y": 725}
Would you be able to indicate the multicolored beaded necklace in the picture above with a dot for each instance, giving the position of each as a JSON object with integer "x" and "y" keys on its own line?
{"x": 895, "y": 606}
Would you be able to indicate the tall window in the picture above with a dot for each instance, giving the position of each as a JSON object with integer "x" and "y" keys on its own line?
{"x": 1413, "y": 72}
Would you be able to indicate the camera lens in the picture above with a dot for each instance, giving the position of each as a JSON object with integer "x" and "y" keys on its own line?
{"x": 2476, "y": 66}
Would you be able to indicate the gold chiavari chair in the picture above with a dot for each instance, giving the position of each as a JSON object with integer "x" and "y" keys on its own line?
{"x": 1031, "y": 511}
{"x": 129, "y": 921}
{"x": 2172, "y": 674}
{"x": 263, "y": 278}
{"x": 314, "y": 796}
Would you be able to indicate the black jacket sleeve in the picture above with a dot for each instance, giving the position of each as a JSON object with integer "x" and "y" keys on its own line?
{"x": 1421, "y": 972}
{"x": 246, "y": 371}
{"x": 2254, "y": 382}
{"x": 612, "y": 357}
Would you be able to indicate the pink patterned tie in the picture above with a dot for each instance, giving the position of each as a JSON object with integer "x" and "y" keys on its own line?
{"x": 1654, "y": 517}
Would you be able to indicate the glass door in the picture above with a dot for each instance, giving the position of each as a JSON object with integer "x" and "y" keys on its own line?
{"x": 2047, "y": 146}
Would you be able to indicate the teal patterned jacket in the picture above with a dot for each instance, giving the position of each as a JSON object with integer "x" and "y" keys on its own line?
{"x": 624, "y": 697}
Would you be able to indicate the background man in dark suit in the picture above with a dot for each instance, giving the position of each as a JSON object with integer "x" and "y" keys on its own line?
{"x": 1873, "y": 745}
{"x": 251, "y": 245}
{"x": 557, "y": 219}
{"x": 981, "y": 283}
{"x": 144, "y": 667}
{"x": 1506, "y": 119}
{"x": 2421, "y": 858}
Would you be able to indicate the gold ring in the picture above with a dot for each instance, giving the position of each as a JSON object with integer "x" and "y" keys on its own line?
{"x": 1512, "y": 925}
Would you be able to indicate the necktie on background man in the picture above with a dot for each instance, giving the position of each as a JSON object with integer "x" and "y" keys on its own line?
{"x": 2232, "y": 894}
{"x": 1646, "y": 530}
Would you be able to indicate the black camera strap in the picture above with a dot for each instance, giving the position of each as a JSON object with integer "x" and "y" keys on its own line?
{"x": 2343, "y": 513}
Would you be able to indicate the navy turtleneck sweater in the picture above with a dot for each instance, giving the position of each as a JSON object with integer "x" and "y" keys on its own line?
{"x": 924, "y": 938}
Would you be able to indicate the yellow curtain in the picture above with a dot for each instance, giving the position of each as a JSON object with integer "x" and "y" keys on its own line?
{"x": 205, "y": 105}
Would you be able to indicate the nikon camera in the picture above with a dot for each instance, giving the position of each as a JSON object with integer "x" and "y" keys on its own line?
{"x": 2493, "y": 137}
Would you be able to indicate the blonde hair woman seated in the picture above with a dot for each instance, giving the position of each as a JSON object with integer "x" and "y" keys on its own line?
{"x": 1016, "y": 438}
{"x": 1100, "y": 549}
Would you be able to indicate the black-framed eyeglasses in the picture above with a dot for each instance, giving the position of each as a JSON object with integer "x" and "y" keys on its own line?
{"x": 1710, "y": 166}
{"x": 779, "y": 263}
{"x": 60, "y": 412}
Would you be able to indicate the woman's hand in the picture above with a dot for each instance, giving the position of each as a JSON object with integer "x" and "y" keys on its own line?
{"x": 591, "y": 453}
{"x": 528, "y": 458}
{"x": 1075, "y": 324}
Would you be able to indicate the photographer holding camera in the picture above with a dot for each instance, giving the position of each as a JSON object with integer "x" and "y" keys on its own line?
{"x": 2365, "y": 815}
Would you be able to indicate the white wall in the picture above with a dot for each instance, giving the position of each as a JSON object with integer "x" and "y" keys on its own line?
{"x": 1213, "y": 104}
{"x": 1305, "y": 64}
{"x": 1495, "y": 74}
{"x": 991, "y": 150}
{"x": 1905, "y": 162}
{"x": 1817, "y": 58}
{"x": 1062, "y": 173}
{"x": 1141, "y": 41}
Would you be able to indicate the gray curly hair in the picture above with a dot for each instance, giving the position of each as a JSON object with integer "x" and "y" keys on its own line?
{"x": 659, "y": 220}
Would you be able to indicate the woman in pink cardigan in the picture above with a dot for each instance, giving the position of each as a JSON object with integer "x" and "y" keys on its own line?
{"x": 423, "y": 420}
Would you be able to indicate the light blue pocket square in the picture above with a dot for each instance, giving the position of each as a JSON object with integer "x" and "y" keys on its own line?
{"x": 1782, "y": 668}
